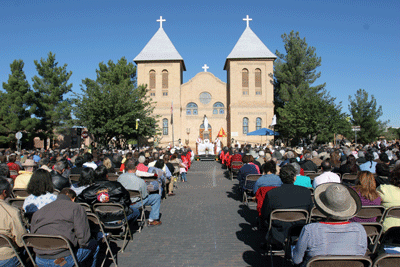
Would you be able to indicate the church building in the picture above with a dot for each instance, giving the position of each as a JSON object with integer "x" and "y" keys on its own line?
{"x": 241, "y": 105}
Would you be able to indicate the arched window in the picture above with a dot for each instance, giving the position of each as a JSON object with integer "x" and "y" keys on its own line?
{"x": 191, "y": 109}
{"x": 258, "y": 123}
{"x": 218, "y": 108}
{"x": 152, "y": 82}
{"x": 164, "y": 79}
{"x": 245, "y": 81}
{"x": 165, "y": 126}
{"x": 245, "y": 125}
{"x": 258, "y": 78}
{"x": 245, "y": 78}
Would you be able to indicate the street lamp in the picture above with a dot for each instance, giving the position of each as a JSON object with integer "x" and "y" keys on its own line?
{"x": 137, "y": 126}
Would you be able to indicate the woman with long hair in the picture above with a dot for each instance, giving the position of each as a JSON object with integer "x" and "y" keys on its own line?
{"x": 366, "y": 190}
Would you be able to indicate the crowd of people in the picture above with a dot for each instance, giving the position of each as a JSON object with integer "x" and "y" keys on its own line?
{"x": 312, "y": 177}
{"x": 52, "y": 205}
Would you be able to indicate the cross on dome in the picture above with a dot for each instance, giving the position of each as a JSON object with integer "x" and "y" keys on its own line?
{"x": 247, "y": 19}
{"x": 161, "y": 21}
{"x": 205, "y": 67}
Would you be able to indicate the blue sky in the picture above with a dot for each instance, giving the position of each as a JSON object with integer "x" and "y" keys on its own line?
{"x": 358, "y": 41}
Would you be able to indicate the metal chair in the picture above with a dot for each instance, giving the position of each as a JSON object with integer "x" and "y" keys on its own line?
{"x": 368, "y": 212}
{"x": 339, "y": 261}
{"x": 47, "y": 242}
{"x": 5, "y": 241}
{"x": 16, "y": 202}
{"x": 312, "y": 175}
{"x": 387, "y": 260}
{"x": 294, "y": 216}
{"x": 235, "y": 166}
{"x": 104, "y": 209}
{"x": 96, "y": 227}
{"x": 349, "y": 178}
{"x": 20, "y": 192}
{"x": 250, "y": 180}
{"x": 74, "y": 177}
{"x": 86, "y": 207}
{"x": 374, "y": 231}
{"x": 112, "y": 177}
{"x": 316, "y": 215}
{"x": 141, "y": 220}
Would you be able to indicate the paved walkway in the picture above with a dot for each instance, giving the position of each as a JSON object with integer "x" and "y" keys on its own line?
{"x": 205, "y": 224}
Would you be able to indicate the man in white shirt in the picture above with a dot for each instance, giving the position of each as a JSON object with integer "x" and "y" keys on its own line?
{"x": 327, "y": 176}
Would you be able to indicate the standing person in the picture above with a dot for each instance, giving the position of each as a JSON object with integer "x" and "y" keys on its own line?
{"x": 66, "y": 218}
{"x": 10, "y": 225}
{"x": 336, "y": 236}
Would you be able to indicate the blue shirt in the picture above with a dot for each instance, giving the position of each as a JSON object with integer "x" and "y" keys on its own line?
{"x": 267, "y": 180}
{"x": 36, "y": 158}
{"x": 303, "y": 181}
{"x": 368, "y": 167}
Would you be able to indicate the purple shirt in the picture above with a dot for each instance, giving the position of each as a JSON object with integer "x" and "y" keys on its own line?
{"x": 366, "y": 202}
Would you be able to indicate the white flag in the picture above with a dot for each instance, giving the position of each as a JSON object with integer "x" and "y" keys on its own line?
{"x": 273, "y": 121}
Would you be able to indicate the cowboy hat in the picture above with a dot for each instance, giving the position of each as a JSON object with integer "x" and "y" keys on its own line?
{"x": 337, "y": 201}
{"x": 29, "y": 163}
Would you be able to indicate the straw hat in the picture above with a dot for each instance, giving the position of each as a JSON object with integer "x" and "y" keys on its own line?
{"x": 29, "y": 163}
{"x": 337, "y": 201}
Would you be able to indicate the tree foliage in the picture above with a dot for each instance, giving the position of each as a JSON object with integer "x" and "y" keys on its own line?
{"x": 365, "y": 113}
{"x": 17, "y": 106}
{"x": 51, "y": 86}
{"x": 304, "y": 110}
{"x": 110, "y": 105}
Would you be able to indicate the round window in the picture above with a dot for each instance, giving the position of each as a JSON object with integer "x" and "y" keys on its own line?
{"x": 205, "y": 98}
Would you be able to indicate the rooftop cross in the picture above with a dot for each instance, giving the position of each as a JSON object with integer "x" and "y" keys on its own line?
{"x": 247, "y": 19}
{"x": 161, "y": 21}
{"x": 205, "y": 67}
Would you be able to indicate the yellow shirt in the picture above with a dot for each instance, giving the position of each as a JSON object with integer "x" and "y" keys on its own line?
{"x": 390, "y": 196}
{"x": 22, "y": 180}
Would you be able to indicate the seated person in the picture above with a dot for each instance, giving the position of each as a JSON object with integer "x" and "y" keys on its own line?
{"x": 287, "y": 196}
{"x": 370, "y": 164}
{"x": 308, "y": 164}
{"x": 78, "y": 166}
{"x": 301, "y": 180}
{"x": 269, "y": 178}
{"x": 85, "y": 180}
{"x": 59, "y": 181}
{"x": 390, "y": 195}
{"x": 327, "y": 176}
{"x": 40, "y": 188}
{"x": 366, "y": 190}
{"x": 13, "y": 167}
{"x": 131, "y": 182}
{"x": 66, "y": 218}
{"x": 104, "y": 191}
{"x": 336, "y": 236}
{"x": 10, "y": 225}
{"x": 22, "y": 180}
{"x": 247, "y": 168}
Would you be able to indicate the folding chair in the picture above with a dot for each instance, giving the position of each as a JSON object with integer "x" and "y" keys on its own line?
{"x": 86, "y": 207}
{"x": 235, "y": 166}
{"x": 112, "y": 177}
{"x": 342, "y": 261}
{"x": 103, "y": 209}
{"x": 392, "y": 212}
{"x": 296, "y": 216}
{"x": 349, "y": 178}
{"x": 149, "y": 179}
{"x": 368, "y": 212}
{"x": 141, "y": 220}
{"x": 316, "y": 215}
{"x": 5, "y": 241}
{"x": 47, "y": 242}
{"x": 374, "y": 231}
{"x": 16, "y": 202}
{"x": 96, "y": 227}
{"x": 387, "y": 260}
{"x": 390, "y": 238}
{"x": 250, "y": 180}
{"x": 74, "y": 178}
{"x": 20, "y": 193}
{"x": 312, "y": 175}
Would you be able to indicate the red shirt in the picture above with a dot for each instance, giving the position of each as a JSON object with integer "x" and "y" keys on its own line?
{"x": 14, "y": 169}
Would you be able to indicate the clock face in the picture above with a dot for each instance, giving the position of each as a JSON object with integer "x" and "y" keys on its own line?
{"x": 205, "y": 98}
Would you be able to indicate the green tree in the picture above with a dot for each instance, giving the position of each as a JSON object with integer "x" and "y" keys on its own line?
{"x": 16, "y": 106}
{"x": 51, "y": 86}
{"x": 110, "y": 106}
{"x": 304, "y": 110}
{"x": 365, "y": 113}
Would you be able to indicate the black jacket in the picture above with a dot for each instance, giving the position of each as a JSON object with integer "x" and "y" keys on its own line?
{"x": 107, "y": 192}
{"x": 59, "y": 181}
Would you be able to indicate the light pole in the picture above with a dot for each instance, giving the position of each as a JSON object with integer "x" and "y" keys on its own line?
{"x": 137, "y": 126}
